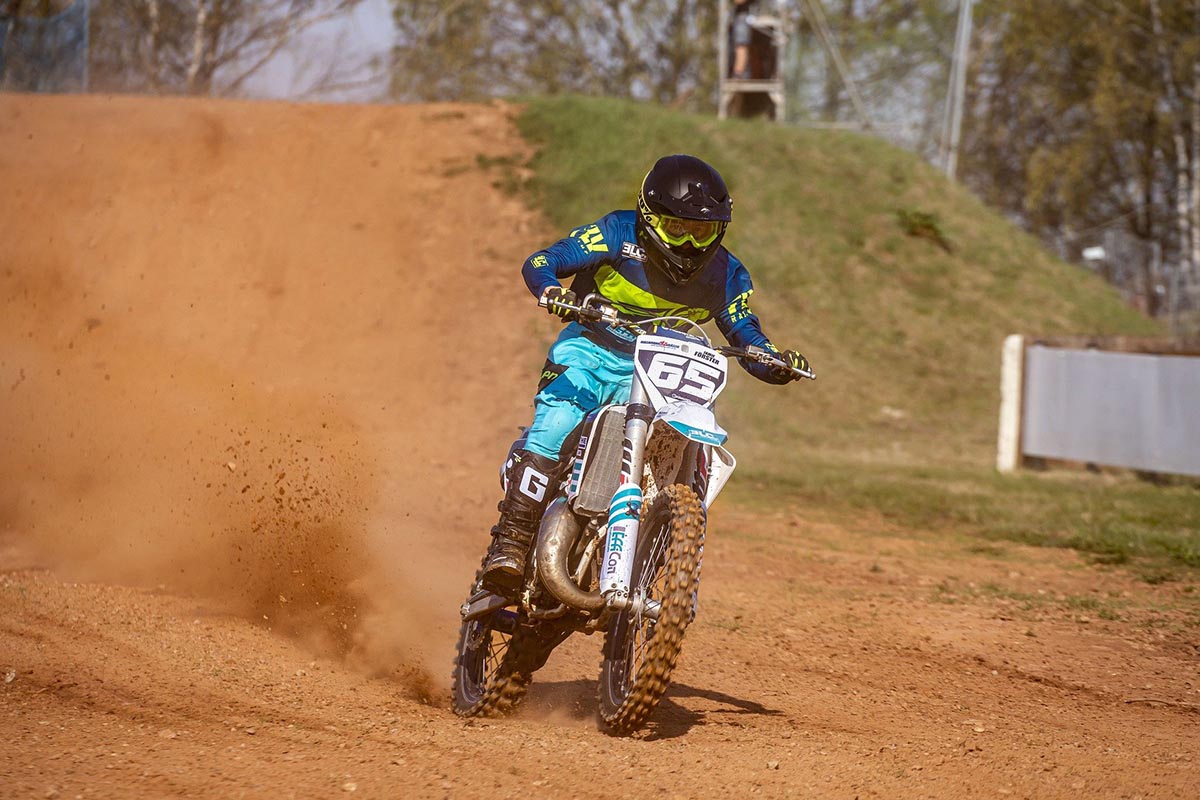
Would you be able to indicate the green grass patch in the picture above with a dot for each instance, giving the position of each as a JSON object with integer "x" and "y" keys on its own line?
{"x": 508, "y": 170}
{"x": 900, "y": 287}
{"x": 951, "y": 592}
{"x": 1114, "y": 519}
{"x": 839, "y": 233}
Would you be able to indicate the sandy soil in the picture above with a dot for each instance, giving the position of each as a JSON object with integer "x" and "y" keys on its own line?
{"x": 258, "y": 365}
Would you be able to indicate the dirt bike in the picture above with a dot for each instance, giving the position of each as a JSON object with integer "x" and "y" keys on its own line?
{"x": 619, "y": 547}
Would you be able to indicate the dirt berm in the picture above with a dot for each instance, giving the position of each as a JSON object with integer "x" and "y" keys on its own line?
{"x": 258, "y": 365}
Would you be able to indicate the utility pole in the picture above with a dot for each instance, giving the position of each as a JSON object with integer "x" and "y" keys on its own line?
{"x": 87, "y": 46}
{"x": 952, "y": 125}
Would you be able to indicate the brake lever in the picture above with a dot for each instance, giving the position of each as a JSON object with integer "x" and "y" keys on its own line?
{"x": 602, "y": 312}
{"x": 608, "y": 314}
{"x": 761, "y": 355}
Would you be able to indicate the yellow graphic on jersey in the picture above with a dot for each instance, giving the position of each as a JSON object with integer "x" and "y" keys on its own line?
{"x": 591, "y": 238}
{"x": 633, "y": 299}
{"x": 739, "y": 309}
{"x": 540, "y": 262}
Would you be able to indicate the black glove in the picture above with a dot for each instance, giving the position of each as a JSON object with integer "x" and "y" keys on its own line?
{"x": 560, "y": 294}
{"x": 793, "y": 360}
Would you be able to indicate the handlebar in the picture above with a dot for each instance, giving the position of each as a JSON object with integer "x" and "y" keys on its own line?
{"x": 764, "y": 356}
{"x": 594, "y": 309}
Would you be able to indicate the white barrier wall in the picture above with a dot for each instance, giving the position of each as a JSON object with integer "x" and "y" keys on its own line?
{"x": 1118, "y": 409}
{"x": 1008, "y": 448}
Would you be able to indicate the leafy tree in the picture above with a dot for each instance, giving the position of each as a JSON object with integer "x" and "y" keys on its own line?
{"x": 1073, "y": 124}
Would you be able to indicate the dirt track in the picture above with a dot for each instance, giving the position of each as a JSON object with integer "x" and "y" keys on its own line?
{"x": 258, "y": 364}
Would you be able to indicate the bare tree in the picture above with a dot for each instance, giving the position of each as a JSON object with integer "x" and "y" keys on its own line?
{"x": 1084, "y": 126}
{"x": 12, "y": 9}
{"x": 43, "y": 45}
{"x": 1173, "y": 108}
{"x": 653, "y": 49}
{"x": 198, "y": 46}
{"x": 1195, "y": 172}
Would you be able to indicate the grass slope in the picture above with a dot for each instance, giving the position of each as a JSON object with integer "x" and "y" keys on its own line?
{"x": 904, "y": 330}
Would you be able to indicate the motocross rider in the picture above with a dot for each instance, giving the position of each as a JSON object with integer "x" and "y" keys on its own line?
{"x": 665, "y": 258}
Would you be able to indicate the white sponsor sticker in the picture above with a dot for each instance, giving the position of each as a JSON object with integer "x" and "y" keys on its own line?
{"x": 631, "y": 250}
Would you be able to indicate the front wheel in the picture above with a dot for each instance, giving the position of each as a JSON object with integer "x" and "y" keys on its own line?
{"x": 639, "y": 651}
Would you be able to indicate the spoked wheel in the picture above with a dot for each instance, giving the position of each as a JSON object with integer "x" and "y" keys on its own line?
{"x": 488, "y": 677}
{"x": 639, "y": 651}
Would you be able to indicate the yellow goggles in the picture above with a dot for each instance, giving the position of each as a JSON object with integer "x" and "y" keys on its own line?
{"x": 676, "y": 231}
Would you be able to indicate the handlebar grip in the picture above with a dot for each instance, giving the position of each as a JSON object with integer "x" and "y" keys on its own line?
{"x": 553, "y": 306}
{"x": 795, "y": 372}
{"x": 581, "y": 312}
{"x": 760, "y": 356}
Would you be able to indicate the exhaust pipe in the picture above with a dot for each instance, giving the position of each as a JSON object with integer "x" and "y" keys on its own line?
{"x": 559, "y": 531}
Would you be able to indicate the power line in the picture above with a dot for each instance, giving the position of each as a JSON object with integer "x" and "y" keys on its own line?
{"x": 816, "y": 15}
{"x": 1107, "y": 223}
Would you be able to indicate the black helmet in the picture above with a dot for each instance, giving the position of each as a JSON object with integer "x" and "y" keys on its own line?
{"x": 683, "y": 209}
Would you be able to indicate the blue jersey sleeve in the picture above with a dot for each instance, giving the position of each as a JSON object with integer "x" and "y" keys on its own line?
{"x": 583, "y": 248}
{"x": 740, "y": 325}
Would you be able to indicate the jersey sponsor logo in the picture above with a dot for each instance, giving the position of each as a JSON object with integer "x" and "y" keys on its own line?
{"x": 591, "y": 238}
{"x": 539, "y": 262}
{"x": 739, "y": 309}
{"x": 631, "y": 250}
{"x": 623, "y": 334}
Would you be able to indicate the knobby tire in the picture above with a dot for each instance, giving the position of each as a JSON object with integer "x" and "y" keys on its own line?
{"x": 488, "y": 683}
{"x": 667, "y": 564}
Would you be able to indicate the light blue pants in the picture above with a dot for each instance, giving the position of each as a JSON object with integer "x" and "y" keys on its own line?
{"x": 593, "y": 376}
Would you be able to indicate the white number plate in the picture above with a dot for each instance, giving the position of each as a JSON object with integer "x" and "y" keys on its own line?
{"x": 674, "y": 370}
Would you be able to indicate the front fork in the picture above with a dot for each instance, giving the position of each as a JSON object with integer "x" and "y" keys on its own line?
{"x": 624, "y": 512}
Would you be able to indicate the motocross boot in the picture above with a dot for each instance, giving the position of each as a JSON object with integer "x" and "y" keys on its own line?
{"x": 528, "y": 479}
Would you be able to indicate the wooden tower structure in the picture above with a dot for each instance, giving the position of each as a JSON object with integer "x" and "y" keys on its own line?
{"x": 762, "y": 92}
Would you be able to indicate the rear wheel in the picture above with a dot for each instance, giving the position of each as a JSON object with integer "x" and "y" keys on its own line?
{"x": 488, "y": 677}
{"x": 639, "y": 651}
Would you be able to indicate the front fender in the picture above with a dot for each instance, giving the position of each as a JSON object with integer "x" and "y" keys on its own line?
{"x": 692, "y": 421}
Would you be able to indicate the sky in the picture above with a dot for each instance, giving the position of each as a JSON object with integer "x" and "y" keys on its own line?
{"x": 357, "y": 43}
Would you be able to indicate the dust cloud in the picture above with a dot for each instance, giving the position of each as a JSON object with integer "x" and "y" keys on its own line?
{"x": 215, "y": 371}
{"x": 168, "y": 473}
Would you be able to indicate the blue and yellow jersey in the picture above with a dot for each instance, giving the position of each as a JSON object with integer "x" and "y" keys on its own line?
{"x": 605, "y": 258}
